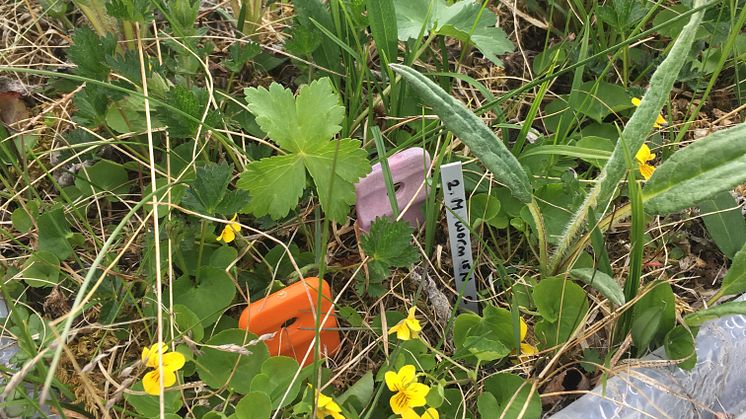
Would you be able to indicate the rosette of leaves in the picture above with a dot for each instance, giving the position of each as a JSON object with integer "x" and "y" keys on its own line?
{"x": 302, "y": 127}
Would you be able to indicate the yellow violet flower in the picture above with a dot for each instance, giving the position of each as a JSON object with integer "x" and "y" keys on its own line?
{"x": 660, "y": 122}
{"x": 526, "y": 348}
{"x": 408, "y": 392}
{"x": 230, "y": 230}
{"x": 326, "y": 406}
{"x": 430, "y": 413}
{"x": 172, "y": 362}
{"x": 408, "y": 328}
{"x": 643, "y": 156}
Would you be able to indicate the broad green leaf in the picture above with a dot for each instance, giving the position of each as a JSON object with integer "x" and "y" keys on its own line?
{"x": 42, "y": 269}
{"x": 653, "y": 315}
{"x": 348, "y": 162}
{"x": 103, "y": 178}
{"x": 254, "y": 405}
{"x": 697, "y": 172}
{"x": 302, "y": 126}
{"x": 297, "y": 124}
{"x": 187, "y": 322}
{"x": 724, "y": 222}
{"x": 276, "y": 378}
{"x": 563, "y": 306}
{"x": 207, "y": 190}
{"x": 149, "y": 406}
{"x": 414, "y": 17}
{"x": 208, "y": 296}
{"x": 486, "y": 338}
{"x": 357, "y": 395}
{"x": 605, "y": 284}
{"x": 483, "y": 207}
{"x": 54, "y": 232}
{"x": 388, "y": 243}
{"x": 472, "y": 131}
{"x": 584, "y": 152}
{"x": 599, "y": 146}
{"x": 599, "y": 100}
{"x": 514, "y": 397}
{"x": 221, "y": 368}
{"x": 731, "y": 308}
{"x": 557, "y": 202}
{"x": 382, "y": 21}
{"x": 275, "y": 185}
{"x": 734, "y": 282}
{"x": 679, "y": 344}
{"x": 22, "y": 220}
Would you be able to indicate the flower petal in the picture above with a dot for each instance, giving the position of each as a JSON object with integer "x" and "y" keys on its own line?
{"x": 414, "y": 325}
{"x": 150, "y": 383}
{"x": 399, "y": 403}
{"x": 406, "y": 375}
{"x": 660, "y": 122}
{"x": 410, "y": 414}
{"x": 392, "y": 380}
{"x": 646, "y": 170}
{"x": 524, "y": 330}
{"x": 416, "y": 393}
{"x": 636, "y": 101}
{"x": 235, "y": 226}
{"x": 643, "y": 154}
{"x": 228, "y": 234}
{"x": 403, "y": 332}
{"x": 149, "y": 356}
{"x": 430, "y": 413}
{"x": 173, "y": 361}
{"x": 528, "y": 349}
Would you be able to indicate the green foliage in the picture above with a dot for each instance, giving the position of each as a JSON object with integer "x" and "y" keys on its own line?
{"x": 734, "y": 282}
{"x": 472, "y": 131}
{"x": 510, "y": 396}
{"x": 54, "y": 233}
{"x": 209, "y": 194}
{"x": 211, "y": 285}
{"x": 605, "y": 284}
{"x": 724, "y": 222}
{"x": 389, "y": 245}
{"x": 254, "y": 405}
{"x": 130, "y": 10}
{"x": 680, "y": 344}
{"x": 487, "y": 338}
{"x": 383, "y": 26}
{"x": 653, "y": 316}
{"x": 42, "y": 269}
{"x": 226, "y": 368}
{"x": 277, "y": 380}
{"x": 239, "y": 54}
{"x": 192, "y": 102}
{"x": 105, "y": 178}
{"x": 148, "y": 405}
{"x": 701, "y": 170}
{"x": 562, "y": 305}
{"x": 302, "y": 127}
{"x": 731, "y": 308}
{"x": 89, "y": 53}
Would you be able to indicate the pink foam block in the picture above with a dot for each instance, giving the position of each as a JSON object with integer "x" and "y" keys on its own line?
{"x": 408, "y": 169}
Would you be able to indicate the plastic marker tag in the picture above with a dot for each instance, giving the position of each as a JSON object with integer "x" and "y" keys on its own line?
{"x": 454, "y": 197}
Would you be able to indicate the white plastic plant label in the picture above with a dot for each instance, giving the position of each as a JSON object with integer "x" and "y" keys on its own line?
{"x": 454, "y": 198}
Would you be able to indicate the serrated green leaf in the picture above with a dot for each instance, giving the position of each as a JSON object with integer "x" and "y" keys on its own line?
{"x": 472, "y": 131}
{"x": 731, "y": 308}
{"x": 239, "y": 54}
{"x": 605, "y": 284}
{"x": 388, "y": 244}
{"x": 697, "y": 172}
{"x": 207, "y": 190}
{"x": 679, "y": 344}
{"x": 275, "y": 184}
{"x": 92, "y": 103}
{"x": 297, "y": 124}
{"x": 734, "y": 281}
{"x": 130, "y": 10}
{"x": 348, "y": 162}
{"x": 192, "y": 102}
{"x": 88, "y": 51}
{"x": 724, "y": 222}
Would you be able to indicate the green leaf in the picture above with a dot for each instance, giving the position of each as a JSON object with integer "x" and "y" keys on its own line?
{"x": 22, "y": 220}
{"x": 484, "y": 207}
{"x": 486, "y": 338}
{"x": 724, "y": 222}
{"x": 679, "y": 344}
{"x": 275, "y": 185}
{"x": 42, "y": 269}
{"x": 149, "y": 406}
{"x": 92, "y": 103}
{"x": 697, "y": 172}
{"x": 276, "y": 378}
{"x": 513, "y": 398}
{"x": 207, "y": 190}
{"x": 653, "y": 315}
{"x": 187, "y": 322}
{"x": 130, "y": 10}
{"x": 192, "y": 102}
{"x": 254, "y": 405}
{"x": 382, "y": 21}
{"x": 88, "y": 51}
{"x": 239, "y": 53}
{"x": 359, "y": 394}
{"x": 208, "y": 296}
{"x": 302, "y": 126}
{"x": 734, "y": 282}
{"x": 472, "y": 131}
{"x": 605, "y": 284}
{"x": 54, "y": 232}
{"x": 388, "y": 243}
{"x": 562, "y": 305}
{"x": 600, "y": 99}
{"x": 103, "y": 178}
{"x": 412, "y": 18}
{"x": 731, "y": 308}
{"x": 220, "y": 368}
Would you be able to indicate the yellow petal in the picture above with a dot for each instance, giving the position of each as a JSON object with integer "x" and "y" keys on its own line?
{"x": 336, "y": 415}
{"x": 228, "y": 235}
{"x": 643, "y": 154}
{"x": 234, "y": 218}
{"x": 636, "y": 101}
{"x": 524, "y": 330}
{"x": 410, "y": 414}
{"x": 646, "y": 170}
{"x": 414, "y": 325}
{"x": 150, "y": 383}
{"x": 406, "y": 375}
{"x": 236, "y": 227}
{"x": 412, "y": 312}
{"x": 416, "y": 392}
{"x": 392, "y": 380}
{"x": 399, "y": 403}
{"x": 149, "y": 356}
{"x": 527, "y": 349}
{"x": 430, "y": 413}
{"x": 403, "y": 332}
{"x": 173, "y": 361}
{"x": 660, "y": 122}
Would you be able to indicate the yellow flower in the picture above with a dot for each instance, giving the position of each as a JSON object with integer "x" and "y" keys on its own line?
{"x": 230, "y": 230}
{"x": 408, "y": 328}
{"x": 172, "y": 362}
{"x": 408, "y": 392}
{"x": 326, "y": 406}
{"x": 429, "y": 414}
{"x": 526, "y": 348}
{"x": 643, "y": 156}
{"x": 660, "y": 122}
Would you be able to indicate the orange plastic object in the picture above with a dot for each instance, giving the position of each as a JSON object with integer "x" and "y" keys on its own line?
{"x": 290, "y": 312}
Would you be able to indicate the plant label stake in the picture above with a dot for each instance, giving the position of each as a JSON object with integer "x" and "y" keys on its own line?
{"x": 290, "y": 313}
{"x": 454, "y": 198}
{"x": 408, "y": 170}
